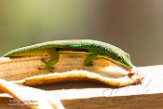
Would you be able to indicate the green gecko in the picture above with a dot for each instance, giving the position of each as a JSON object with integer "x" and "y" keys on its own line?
{"x": 97, "y": 49}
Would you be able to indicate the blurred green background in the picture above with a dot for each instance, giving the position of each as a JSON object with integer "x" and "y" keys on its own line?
{"x": 133, "y": 25}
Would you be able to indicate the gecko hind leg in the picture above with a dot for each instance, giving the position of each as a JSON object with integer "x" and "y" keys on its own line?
{"x": 88, "y": 60}
{"x": 54, "y": 57}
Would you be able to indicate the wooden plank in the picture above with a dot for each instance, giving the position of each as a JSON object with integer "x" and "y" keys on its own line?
{"x": 147, "y": 95}
{"x": 91, "y": 95}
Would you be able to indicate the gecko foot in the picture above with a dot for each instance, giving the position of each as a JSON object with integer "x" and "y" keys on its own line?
{"x": 45, "y": 68}
{"x": 49, "y": 68}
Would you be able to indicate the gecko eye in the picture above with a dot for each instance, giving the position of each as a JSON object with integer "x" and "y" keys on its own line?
{"x": 120, "y": 58}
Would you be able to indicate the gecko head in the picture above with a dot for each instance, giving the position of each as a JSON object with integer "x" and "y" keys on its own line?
{"x": 123, "y": 59}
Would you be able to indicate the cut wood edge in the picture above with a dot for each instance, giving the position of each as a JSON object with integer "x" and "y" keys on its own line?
{"x": 79, "y": 75}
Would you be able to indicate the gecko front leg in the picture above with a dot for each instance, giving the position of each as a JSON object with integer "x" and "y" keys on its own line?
{"x": 88, "y": 60}
{"x": 54, "y": 57}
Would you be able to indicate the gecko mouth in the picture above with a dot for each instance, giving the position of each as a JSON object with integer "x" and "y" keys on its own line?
{"x": 130, "y": 70}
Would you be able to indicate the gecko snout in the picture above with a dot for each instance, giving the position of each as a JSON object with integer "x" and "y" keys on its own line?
{"x": 132, "y": 71}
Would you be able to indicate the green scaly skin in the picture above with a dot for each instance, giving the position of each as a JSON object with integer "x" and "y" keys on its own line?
{"x": 96, "y": 48}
